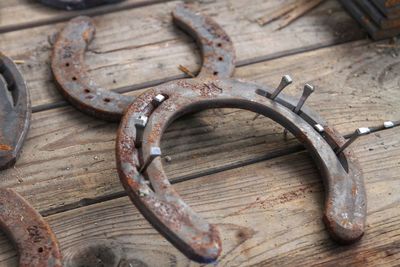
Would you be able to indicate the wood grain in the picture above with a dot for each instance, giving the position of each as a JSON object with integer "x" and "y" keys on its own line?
{"x": 268, "y": 213}
{"x": 140, "y": 47}
{"x": 20, "y": 14}
{"x": 72, "y": 155}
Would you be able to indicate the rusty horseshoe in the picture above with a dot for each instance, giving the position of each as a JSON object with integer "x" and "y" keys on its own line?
{"x": 15, "y": 112}
{"x": 147, "y": 117}
{"x": 81, "y": 91}
{"x": 138, "y": 159}
{"x": 77, "y": 4}
{"x": 32, "y": 236}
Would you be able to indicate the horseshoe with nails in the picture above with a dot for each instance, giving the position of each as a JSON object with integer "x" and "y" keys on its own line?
{"x": 77, "y": 4}
{"x": 147, "y": 117}
{"x": 32, "y": 236}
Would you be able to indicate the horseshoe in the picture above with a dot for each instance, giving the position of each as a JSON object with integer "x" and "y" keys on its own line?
{"x": 81, "y": 91}
{"x": 77, "y": 4}
{"x": 15, "y": 112}
{"x": 31, "y": 235}
{"x": 345, "y": 202}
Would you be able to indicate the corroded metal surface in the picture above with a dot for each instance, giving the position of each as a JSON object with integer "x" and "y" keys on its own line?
{"x": 74, "y": 82}
{"x": 77, "y": 4}
{"x": 345, "y": 203}
{"x": 218, "y": 53}
{"x": 76, "y": 85}
{"x": 32, "y": 236}
{"x": 15, "y": 112}
{"x": 145, "y": 120}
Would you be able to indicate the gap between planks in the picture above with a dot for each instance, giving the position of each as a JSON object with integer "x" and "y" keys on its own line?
{"x": 239, "y": 64}
{"x": 71, "y": 14}
{"x": 296, "y": 148}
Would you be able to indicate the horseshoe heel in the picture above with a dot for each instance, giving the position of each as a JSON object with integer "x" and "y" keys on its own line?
{"x": 217, "y": 49}
{"x": 77, "y": 4}
{"x": 81, "y": 91}
{"x": 345, "y": 203}
{"x": 15, "y": 112}
{"x": 72, "y": 78}
{"x": 31, "y": 235}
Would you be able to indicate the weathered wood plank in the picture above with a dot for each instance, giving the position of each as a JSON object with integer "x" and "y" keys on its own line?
{"x": 268, "y": 213}
{"x": 140, "y": 46}
{"x": 72, "y": 155}
{"x": 20, "y": 14}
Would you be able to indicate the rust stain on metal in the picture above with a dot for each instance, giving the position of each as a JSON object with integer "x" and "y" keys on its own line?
{"x": 80, "y": 90}
{"x": 5, "y": 147}
{"x": 345, "y": 204}
{"x": 32, "y": 236}
{"x": 15, "y": 112}
{"x": 77, "y": 4}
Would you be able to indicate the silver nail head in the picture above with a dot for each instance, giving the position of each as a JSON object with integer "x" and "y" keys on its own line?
{"x": 155, "y": 151}
{"x": 319, "y": 128}
{"x": 159, "y": 99}
{"x": 363, "y": 131}
{"x": 307, "y": 91}
{"x": 143, "y": 192}
{"x": 388, "y": 124}
{"x": 359, "y": 132}
{"x": 140, "y": 120}
{"x": 285, "y": 81}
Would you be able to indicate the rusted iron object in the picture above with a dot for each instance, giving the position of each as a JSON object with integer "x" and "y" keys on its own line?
{"x": 79, "y": 89}
{"x": 77, "y": 4}
{"x": 32, "y": 236}
{"x": 15, "y": 112}
{"x": 142, "y": 174}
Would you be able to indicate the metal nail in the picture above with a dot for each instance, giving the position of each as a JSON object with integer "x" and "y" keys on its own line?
{"x": 307, "y": 91}
{"x": 359, "y": 132}
{"x": 388, "y": 124}
{"x": 140, "y": 120}
{"x": 158, "y": 99}
{"x": 285, "y": 81}
{"x": 155, "y": 152}
{"x": 319, "y": 128}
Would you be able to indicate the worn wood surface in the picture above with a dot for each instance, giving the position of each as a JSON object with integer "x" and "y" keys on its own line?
{"x": 139, "y": 47}
{"x": 262, "y": 191}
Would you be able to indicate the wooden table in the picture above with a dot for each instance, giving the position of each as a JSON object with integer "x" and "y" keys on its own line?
{"x": 263, "y": 192}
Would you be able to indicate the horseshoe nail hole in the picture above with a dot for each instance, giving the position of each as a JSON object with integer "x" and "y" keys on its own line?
{"x": 86, "y": 91}
{"x": 89, "y": 97}
{"x": 40, "y": 250}
{"x": 107, "y": 100}
{"x": 220, "y": 58}
{"x": 215, "y": 73}
{"x": 74, "y": 78}
{"x": 219, "y": 45}
{"x": 66, "y": 64}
